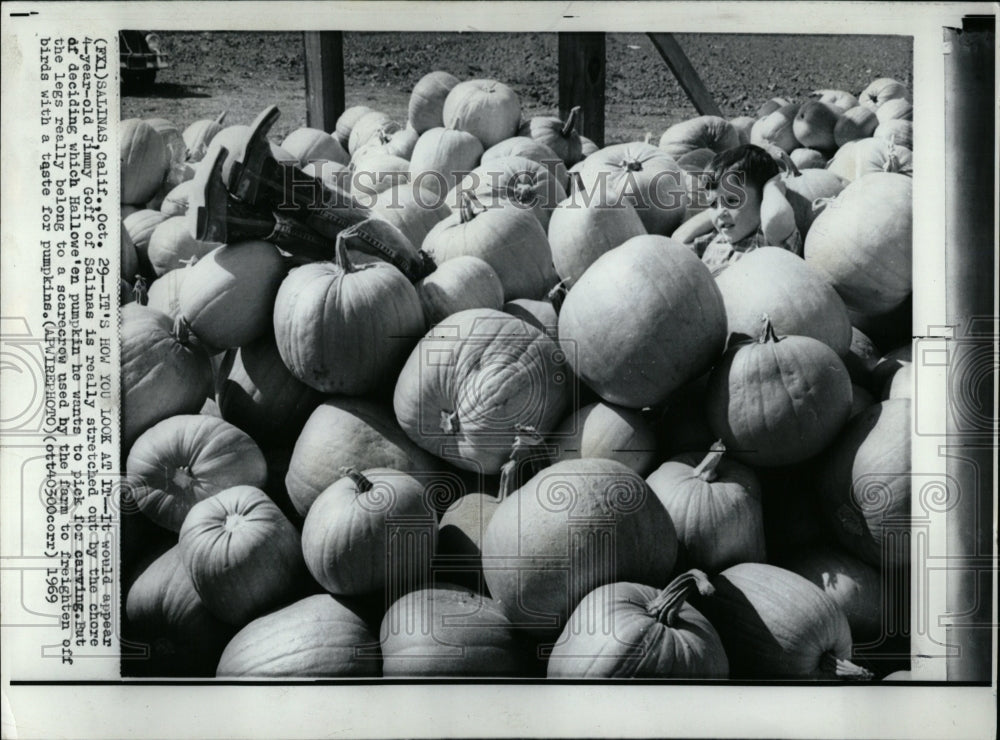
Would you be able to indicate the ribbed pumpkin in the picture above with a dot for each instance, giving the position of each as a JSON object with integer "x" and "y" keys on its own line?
{"x": 856, "y": 123}
{"x": 450, "y": 631}
{"x": 649, "y": 179}
{"x": 199, "y": 135}
{"x": 778, "y": 401}
{"x": 628, "y": 630}
{"x": 257, "y": 393}
{"x": 144, "y": 160}
{"x": 164, "y": 292}
{"x": 574, "y": 526}
{"x": 508, "y": 238}
{"x": 643, "y": 320}
{"x": 607, "y": 431}
{"x": 798, "y": 299}
{"x": 855, "y": 585}
{"x": 540, "y": 314}
{"x": 487, "y": 109}
{"x": 228, "y": 297}
{"x": 441, "y": 156}
{"x": 369, "y": 126}
{"x": 186, "y": 459}
{"x": 319, "y": 636}
{"x": 171, "y": 245}
{"x": 864, "y": 481}
{"x": 881, "y": 91}
{"x": 411, "y": 210}
{"x": 702, "y": 132}
{"x": 524, "y": 146}
{"x": 243, "y": 555}
{"x": 345, "y": 329}
{"x": 310, "y": 144}
{"x": 897, "y": 131}
{"x": 458, "y": 284}
{"x": 775, "y": 624}
{"x": 863, "y": 242}
{"x": 519, "y": 180}
{"x": 369, "y": 533}
{"x": 492, "y": 373}
{"x": 164, "y": 611}
{"x": 346, "y": 432}
{"x": 584, "y": 227}
{"x": 560, "y": 136}
{"x": 426, "y": 107}
{"x": 715, "y": 504}
{"x": 163, "y": 372}
{"x": 861, "y": 157}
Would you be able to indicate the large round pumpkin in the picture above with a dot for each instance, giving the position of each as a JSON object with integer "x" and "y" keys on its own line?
{"x": 227, "y": 298}
{"x": 864, "y": 481}
{"x": 881, "y": 91}
{"x": 644, "y": 319}
{"x": 186, "y": 459}
{"x": 441, "y": 156}
{"x": 163, "y": 372}
{"x": 863, "y": 242}
{"x": 371, "y": 532}
{"x": 778, "y": 401}
{"x": 369, "y": 126}
{"x": 524, "y": 146}
{"x": 798, "y": 299}
{"x": 243, "y": 555}
{"x": 574, "y": 526}
{"x": 144, "y": 160}
{"x": 508, "y": 238}
{"x": 715, "y": 504}
{"x": 855, "y": 585}
{"x": 257, "y": 393}
{"x": 607, "y": 431}
{"x": 426, "y": 107}
{"x": 775, "y": 624}
{"x": 487, "y": 109}
{"x": 311, "y": 144}
{"x": 702, "y": 132}
{"x": 319, "y": 636}
{"x": 163, "y": 610}
{"x": 458, "y": 284}
{"x": 521, "y": 181}
{"x": 342, "y": 329}
{"x": 866, "y": 156}
{"x": 649, "y": 179}
{"x": 450, "y": 631}
{"x": 348, "y": 432}
{"x": 628, "y": 630}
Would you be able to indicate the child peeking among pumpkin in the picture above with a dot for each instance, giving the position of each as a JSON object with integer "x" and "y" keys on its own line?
{"x": 748, "y": 210}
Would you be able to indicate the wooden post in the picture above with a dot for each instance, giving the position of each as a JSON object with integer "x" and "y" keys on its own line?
{"x": 689, "y": 80}
{"x": 324, "y": 52}
{"x": 581, "y": 81}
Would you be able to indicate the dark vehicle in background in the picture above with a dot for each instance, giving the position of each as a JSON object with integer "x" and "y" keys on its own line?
{"x": 140, "y": 58}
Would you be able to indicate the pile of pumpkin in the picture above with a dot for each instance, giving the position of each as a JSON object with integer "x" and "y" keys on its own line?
{"x": 567, "y": 451}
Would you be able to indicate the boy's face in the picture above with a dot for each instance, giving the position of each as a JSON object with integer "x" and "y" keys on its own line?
{"x": 736, "y": 207}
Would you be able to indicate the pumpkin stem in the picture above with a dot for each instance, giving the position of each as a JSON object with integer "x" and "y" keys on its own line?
{"x": 567, "y": 128}
{"x": 790, "y": 167}
{"x": 471, "y": 207}
{"x": 841, "y": 668}
{"x": 632, "y": 165}
{"x": 557, "y": 295}
{"x": 340, "y": 250}
{"x": 706, "y": 469}
{"x": 222, "y": 117}
{"x": 666, "y": 605}
{"x": 767, "y": 331}
{"x": 182, "y": 329}
{"x": 139, "y": 290}
{"x": 525, "y": 447}
{"x": 364, "y": 485}
{"x": 449, "y": 422}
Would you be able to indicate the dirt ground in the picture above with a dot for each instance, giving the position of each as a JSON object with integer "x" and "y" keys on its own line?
{"x": 242, "y": 72}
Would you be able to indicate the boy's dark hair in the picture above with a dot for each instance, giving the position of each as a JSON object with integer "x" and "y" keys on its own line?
{"x": 754, "y": 165}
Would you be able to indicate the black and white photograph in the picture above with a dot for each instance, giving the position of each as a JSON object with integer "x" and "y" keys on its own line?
{"x": 550, "y": 371}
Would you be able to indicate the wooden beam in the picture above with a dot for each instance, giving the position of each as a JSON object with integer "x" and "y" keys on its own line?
{"x": 324, "y": 52}
{"x": 581, "y": 81}
{"x": 689, "y": 80}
